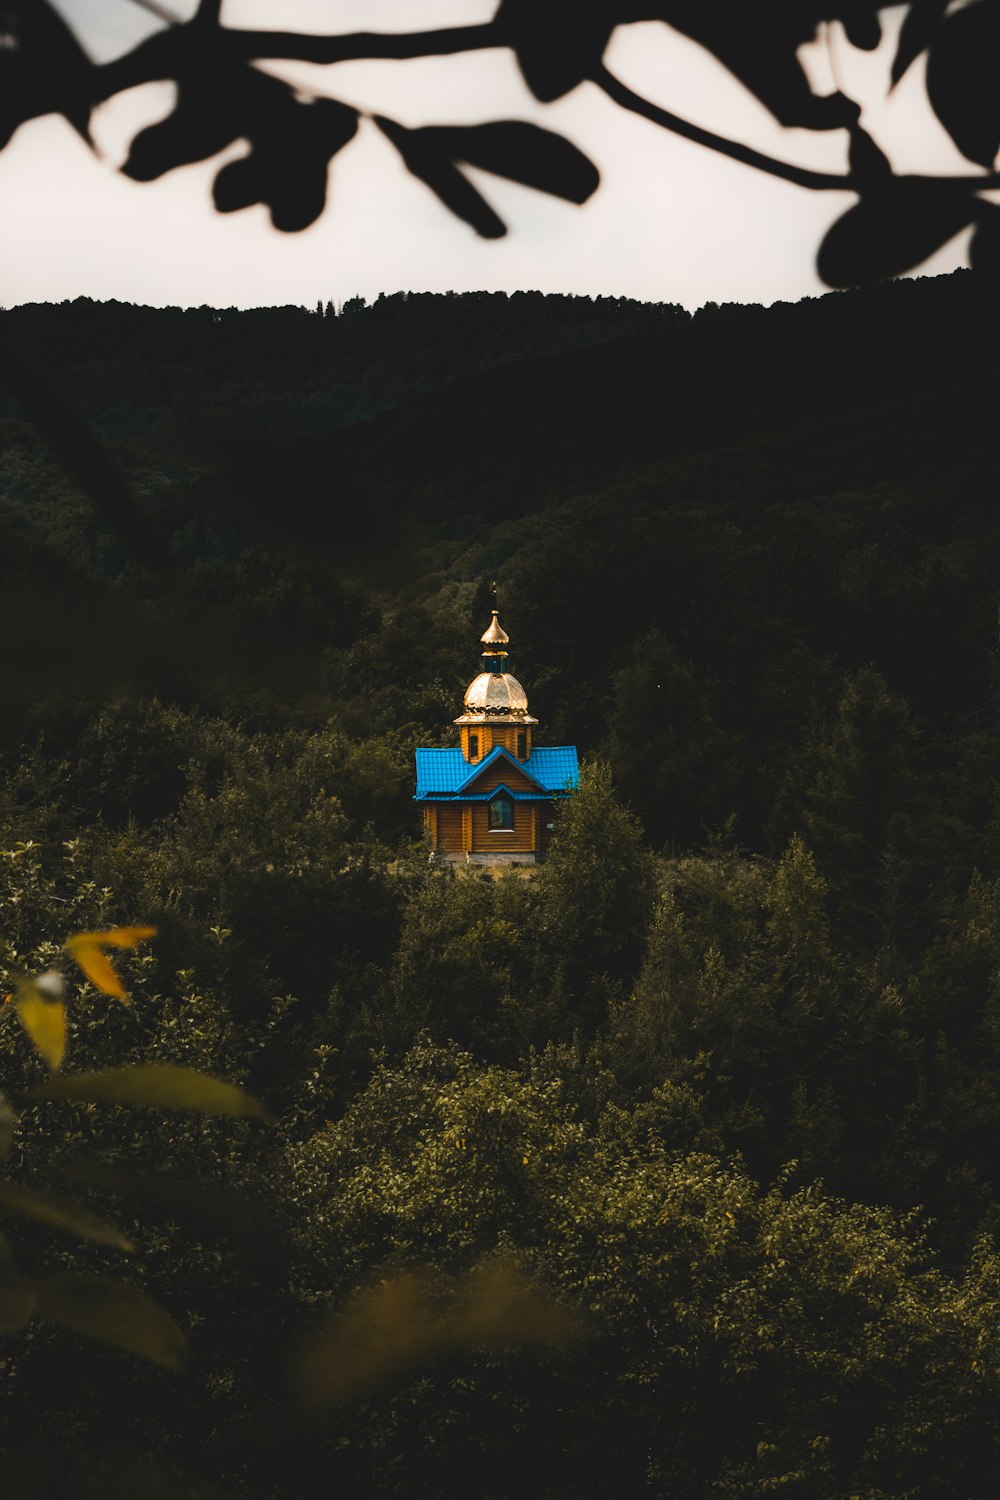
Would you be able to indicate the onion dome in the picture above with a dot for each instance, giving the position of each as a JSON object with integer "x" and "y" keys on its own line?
{"x": 495, "y": 694}
{"x": 494, "y": 634}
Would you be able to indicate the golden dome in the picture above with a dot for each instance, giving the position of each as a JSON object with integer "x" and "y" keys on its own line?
{"x": 495, "y": 694}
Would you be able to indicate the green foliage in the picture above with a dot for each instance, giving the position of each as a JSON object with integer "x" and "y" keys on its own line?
{"x": 465, "y": 959}
{"x": 595, "y": 892}
{"x": 672, "y": 759}
{"x": 861, "y": 802}
{"x": 688, "y": 1100}
{"x": 819, "y": 1331}
{"x": 745, "y": 994}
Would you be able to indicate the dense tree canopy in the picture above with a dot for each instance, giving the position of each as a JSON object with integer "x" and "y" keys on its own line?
{"x": 668, "y": 1165}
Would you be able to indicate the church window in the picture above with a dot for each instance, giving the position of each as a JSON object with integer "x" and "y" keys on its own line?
{"x": 522, "y": 745}
{"x": 501, "y": 814}
{"x": 473, "y": 747}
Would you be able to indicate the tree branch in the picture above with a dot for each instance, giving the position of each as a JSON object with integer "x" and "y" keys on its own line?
{"x": 163, "y": 55}
{"x": 620, "y": 94}
{"x": 623, "y": 96}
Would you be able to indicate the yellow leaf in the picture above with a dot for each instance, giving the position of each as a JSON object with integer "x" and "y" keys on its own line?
{"x": 59, "y": 1213}
{"x": 159, "y": 1084}
{"x": 87, "y": 948}
{"x": 117, "y": 1314}
{"x": 43, "y": 1019}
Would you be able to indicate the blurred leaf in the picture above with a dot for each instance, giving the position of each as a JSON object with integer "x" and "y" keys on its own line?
{"x": 558, "y": 44}
{"x": 315, "y": 132}
{"x": 87, "y": 949}
{"x": 523, "y": 152}
{"x": 919, "y": 25}
{"x": 758, "y": 44}
{"x": 401, "y": 1324}
{"x": 867, "y": 161}
{"x": 59, "y": 1213}
{"x": 45, "y": 70}
{"x": 43, "y": 1019}
{"x": 161, "y": 1085}
{"x": 203, "y": 124}
{"x": 961, "y": 80}
{"x": 85, "y": 460}
{"x": 892, "y": 231}
{"x": 863, "y": 28}
{"x": 432, "y": 166}
{"x": 239, "y": 184}
{"x": 288, "y": 166}
{"x": 292, "y": 140}
{"x": 116, "y": 1314}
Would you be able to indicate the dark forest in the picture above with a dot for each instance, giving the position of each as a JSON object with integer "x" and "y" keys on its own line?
{"x": 669, "y": 1167}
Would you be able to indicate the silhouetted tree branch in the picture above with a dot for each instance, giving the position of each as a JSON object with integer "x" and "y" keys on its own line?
{"x": 224, "y": 98}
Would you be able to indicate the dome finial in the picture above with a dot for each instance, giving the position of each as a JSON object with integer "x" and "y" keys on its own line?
{"x": 494, "y": 634}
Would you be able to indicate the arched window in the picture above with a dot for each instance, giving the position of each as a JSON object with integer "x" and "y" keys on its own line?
{"x": 501, "y": 814}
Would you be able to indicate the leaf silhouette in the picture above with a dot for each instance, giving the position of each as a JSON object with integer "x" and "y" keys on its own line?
{"x": 161, "y": 1085}
{"x": 203, "y": 123}
{"x": 863, "y": 28}
{"x": 87, "y": 949}
{"x": 558, "y": 44}
{"x": 288, "y": 163}
{"x": 523, "y": 152}
{"x": 432, "y": 166}
{"x": 45, "y": 70}
{"x": 892, "y": 231}
{"x": 758, "y": 45}
{"x": 43, "y": 1019}
{"x": 59, "y": 1213}
{"x": 868, "y": 162}
{"x": 114, "y": 1313}
{"x": 919, "y": 25}
{"x": 961, "y": 80}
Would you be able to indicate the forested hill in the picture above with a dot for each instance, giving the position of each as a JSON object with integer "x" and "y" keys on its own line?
{"x": 741, "y": 506}
{"x": 708, "y": 1102}
{"x": 288, "y": 369}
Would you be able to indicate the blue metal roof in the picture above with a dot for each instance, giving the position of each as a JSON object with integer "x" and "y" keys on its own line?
{"x": 446, "y": 773}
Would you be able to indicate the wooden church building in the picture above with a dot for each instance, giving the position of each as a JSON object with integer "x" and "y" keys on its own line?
{"x": 489, "y": 799}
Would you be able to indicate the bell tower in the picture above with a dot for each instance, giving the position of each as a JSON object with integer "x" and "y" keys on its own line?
{"x": 496, "y": 705}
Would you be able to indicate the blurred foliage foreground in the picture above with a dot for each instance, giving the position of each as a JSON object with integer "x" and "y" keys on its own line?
{"x": 528, "y": 1213}
{"x": 402, "y": 1321}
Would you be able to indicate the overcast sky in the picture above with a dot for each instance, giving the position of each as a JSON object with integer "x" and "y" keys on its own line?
{"x": 671, "y": 221}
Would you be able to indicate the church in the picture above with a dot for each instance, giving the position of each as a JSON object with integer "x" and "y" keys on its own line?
{"x": 489, "y": 799}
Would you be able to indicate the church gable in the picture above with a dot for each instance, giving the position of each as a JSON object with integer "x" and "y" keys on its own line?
{"x": 499, "y": 769}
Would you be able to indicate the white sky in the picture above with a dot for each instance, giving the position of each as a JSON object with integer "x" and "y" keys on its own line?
{"x": 671, "y": 221}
